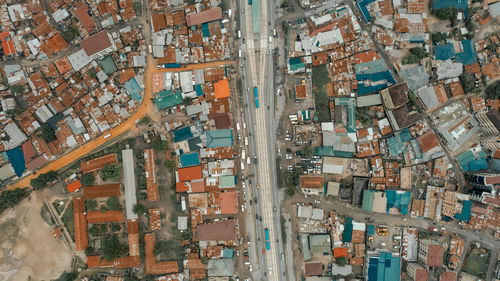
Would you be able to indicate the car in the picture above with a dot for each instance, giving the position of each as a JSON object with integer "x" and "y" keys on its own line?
{"x": 316, "y": 202}
{"x": 242, "y": 11}
{"x": 274, "y": 209}
{"x": 260, "y": 218}
{"x": 250, "y": 268}
{"x": 270, "y": 271}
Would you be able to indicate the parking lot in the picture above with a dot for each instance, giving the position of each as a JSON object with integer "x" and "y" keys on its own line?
{"x": 387, "y": 241}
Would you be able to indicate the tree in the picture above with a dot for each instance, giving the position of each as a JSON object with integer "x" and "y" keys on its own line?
{"x": 159, "y": 145}
{"x": 290, "y": 191}
{"x": 16, "y": 89}
{"x": 70, "y": 33}
{"x": 137, "y": 7}
{"x": 308, "y": 152}
{"x": 170, "y": 165}
{"x": 448, "y": 13}
{"x": 341, "y": 261}
{"x": 95, "y": 230}
{"x": 186, "y": 101}
{"x": 89, "y": 251}
{"x": 139, "y": 209}
{"x": 493, "y": 90}
{"x": 67, "y": 276}
{"x": 144, "y": 121}
{"x": 416, "y": 54}
{"x": 110, "y": 172}
{"x": 467, "y": 81}
{"x": 115, "y": 227}
{"x": 10, "y": 198}
{"x": 43, "y": 180}
{"x": 91, "y": 204}
{"x": 112, "y": 248}
{"x": 87, "y": 179}
{"x": 92, "y": 73}
{"x": 113, "y": 203}
{"x": 438, "y": 37}
{"x": 293, "y": 175}
{"x": 15, "y": 112}
{"x": 47, "y": 133}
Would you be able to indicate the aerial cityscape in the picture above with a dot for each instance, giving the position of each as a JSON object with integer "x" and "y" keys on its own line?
{"x": 252, "y": 140}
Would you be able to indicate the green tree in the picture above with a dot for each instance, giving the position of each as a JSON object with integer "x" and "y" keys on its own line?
{"x": 43, "y": 180}
{"x": 89, "y": 251}
{"x": 493, "y": 90}
{"x": 15, "y": 112}
{"x": 144, "y": 121}
{"x": 113, "y": 203}
{"x": 67, "y": 276}
{"x": 137, "y": 7}
{"x": 438, "y": 37}
{"x": 170, "y": 165}
{"x": 70, "y": 33}
{"x": 448, "y": 13}
{"x": 47, "y": 133}
{"x": 10, "y": 198}
{"x": 112, "y": 248}
{"x": 341, "y": 261}
{"x": 16, "y": 89}
{"x": 290, "y": 191}
{"x": 467, "y": 81}
{"x": 94, "y": 230}
{"x": 87, "y": 179}
{"x": 308, "y": 151}
{"x": 139, "y": 209}
{"x": 115, "y": 227}
{"x": 159, "y": 145}
{"x": 110, "y": 172}
{"x": 186, "y": 101}
{"x": 91, "y": 204}
{"x": 92, "y": 73}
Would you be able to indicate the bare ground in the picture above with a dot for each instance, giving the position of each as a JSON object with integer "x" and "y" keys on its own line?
{"x": 27, "y": 248}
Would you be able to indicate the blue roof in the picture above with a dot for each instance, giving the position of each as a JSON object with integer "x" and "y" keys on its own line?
{"x": 199, "y": 90}
{"x": 464, "y": 158}
{"x": 364, "y": 11}
{"x": 220, "y": 138}
{"x": 347, "y": 234}
{"x": 459, "y": 4}
{"x": 444, "y": 52}
{"x": 205, "y": 30}
{"x": 468, "y": 56}
{"x": 477, "y": 165}
{"x": 133, "y": 89}
{"x": 16, "y": 158}
{"x": 182, "y": 134}
{"x": 398, "y": 199}
{"x": 495, "y": 165}
{"x": 329, "y": 151}
{"x": 465, "y": 214}
{"x": 397, "y": 143}
{"x": 189, "y": 159}
{"x": 295, "y": 61}
{"x": 370, "y": 230}
{"x": 228, "y": 253}
{"x": 384, "y": 267}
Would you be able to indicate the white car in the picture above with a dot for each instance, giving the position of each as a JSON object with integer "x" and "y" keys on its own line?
{"x": 270, "y": 271}
{"x": 251, "y": 268}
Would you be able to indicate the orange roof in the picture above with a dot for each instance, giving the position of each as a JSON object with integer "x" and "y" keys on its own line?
{"x": 84, "y": 18}
{"x": 114, "y": 278}
{"x": 98, "y": 163}
{"x": 228, "y": 202}
{"x": 154, "y": 219}
{"x": 96, "y": 261}
{"x": 63, "y": 65}
{"x": 151, "y": 180}
{"x": 204, "y": 16}
{"x": 300, "y": 92}
{"x": 181, "y": 186}
{"x": 473, "y": 68}
{"x": 102, "y": 217}
{"x": 427, "y": 141}
{"x": 366, "y": 56}
{"x": 306, "y": 181}
{"x": 105, "y": 190}
{"x": 74, "y": 186}
{"x": 221, "y": 89}
{"x": 440, "y": 93}
{"x": 153, "y": 267}
{"x": 81, "y": 235}
{"x": 8, "y": 48}
{"x": 339, "y": 252}
{"x": 57, "y": 43}
{"x": 456, "y": 89}
{"x": 189, "y": 173}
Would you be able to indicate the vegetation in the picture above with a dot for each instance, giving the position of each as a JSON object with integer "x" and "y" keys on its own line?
{"x": 341, "y": 261}
{"x": 15, "y": 112}
{"x": 16, "y": 89}
{"x": 137, "y": 7}
{"x": 112, "y": 248}
{"x": 10, "y": 198}
{"x": 70, "y": 33}
{"x": 47, "y": 133}
{"x": 110, "y": 172}
{"x": 416, "y": 54}
{"x": 67, "y": 276}
{"x": 140, "y": 209}
{"x": 477, "y": 263}
{"x": 448, "y": 13}
{"x": 113, "y": 203}
{"x": 87, "y": 179}
{"x": 308, "y": 152}
{"x": 468, "y": 82}
{"x": 320, "y": 78}
{"x": 290, "y": 191}
{"x": 92, "y": 73}
{"x": 159, "y": 145}
{"x": 438, "y": 37}
{"x": 493, "y": 90}
{"x": 91, "y": 204}
{"x": 284, "y": 4}
{"x": 144, "y": 121}
{"x": 43, "y": 180}
{"x": 170, "y": 165}
{"x": 69, "y": 220}
{"x": 293, "y": 175}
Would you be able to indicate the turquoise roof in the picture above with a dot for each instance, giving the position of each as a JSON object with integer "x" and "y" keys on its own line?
{"x": 133, "y": 89}
{"x": 220, "y": 138}
{"x": 367, "y": 204}
{"x": 384, "y": 267}
{"x": 189, "y": 159}
{"x": 166, "y": 99}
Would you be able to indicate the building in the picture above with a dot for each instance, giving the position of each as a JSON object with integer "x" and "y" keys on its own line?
{"x": 312, "y": 185}
{"x": 429, "y": 253}
{"x": 382, "y": 266}
{"x": 489, "y": 121}
{"x": 417, "y": 272}
{"x": 98, "y": 45}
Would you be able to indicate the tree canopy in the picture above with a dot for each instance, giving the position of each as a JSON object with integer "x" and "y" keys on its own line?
{"x": 112, "y": 248}
{"x": 47, "y": 133}
{"x": 170, "y": 165}
{"x": 110, "y": 172}
{"x": 448, "y": 13}
{"x": 416, "y": 54}
{"x": 43, "y": 180}
{"x": 10, "y": 198}
{"x": 67, "y": 276}
{"x": 113, "y": 203}
{"x": 467, "y": 81}
{"x": 159, "y": 145}
{"x": 493, "y": 90}
{"x": 87, "y": 179}
{"x": 308, "y": 152}
{"x": 139, "y": 209}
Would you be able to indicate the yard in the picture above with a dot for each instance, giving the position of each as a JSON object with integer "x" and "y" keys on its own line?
{"x": 321, "y": 77}
{"x": 69, "y": 220}
{"x": 477, "y": 263}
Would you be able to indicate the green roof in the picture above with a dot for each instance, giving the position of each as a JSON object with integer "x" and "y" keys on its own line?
{"x": 305, "y": 247}
{"x": 227, "y": 181}
{"x": 220, "y": 138}
{"x": 166, "y": 99}
{"x": 320, "y": 243}
{"x": 108, "y": 65}
{"x": 367, "y": 204}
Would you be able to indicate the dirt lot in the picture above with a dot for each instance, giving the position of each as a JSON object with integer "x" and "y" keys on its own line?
{"x": 27, "y": 248}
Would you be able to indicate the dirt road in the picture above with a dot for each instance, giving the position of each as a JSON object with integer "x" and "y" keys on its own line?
{"x": 144, "y": 109}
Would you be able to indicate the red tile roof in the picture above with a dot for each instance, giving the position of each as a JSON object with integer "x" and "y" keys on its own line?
{"x": 8, "y": 48}
{"x": 313, "y": 268}
{"x": 435, "y": 255}
{"x": 220, "y": 231}
{"x": 74, "y": 186}
{"x": 448, "y": 276}
{"x": 307, "y": 181}
{"x": 151, "y": 178}
{"x": 427, "y": 141}
{"x": 228, "y": 202}
{"x": 221, "y": 89}
{"x": 105, "y": 190}
{"x": 28, "y": 151}
{"x": 300, "y": 92}
{"x": 204, "y": 16}
{"x": 421, "y": 274}
{"x": 153, "y": 267}
{"x": 98, "y": 163}
{"x": 102, "y": 217}
{"x": 154, "y": 219}
{"x": 190, "y": 173}
{"x": 96, "y": 43}
{"x": 81, "y": 235}
{"x": 84, "y": 18}
{"x": 339, "y": 252}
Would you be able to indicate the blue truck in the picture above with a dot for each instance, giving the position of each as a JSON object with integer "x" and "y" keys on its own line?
{"x": 256, "y": 95}
{"x": 172, "y": 65}
{"x": 266, "y": 232}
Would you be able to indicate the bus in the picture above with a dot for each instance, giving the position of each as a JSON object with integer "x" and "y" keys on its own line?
{"x": 249, "y": 2}
{"x": 256, "y": 103}
{"x": 255, "y": 92}
{"x": 266, "y": 232}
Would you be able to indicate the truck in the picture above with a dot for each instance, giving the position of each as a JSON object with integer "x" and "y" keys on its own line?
{"x": 150, "y": 48}
{"x": 238, "y": 126}
{"x": 246, "y": 141}
{"x": 266, "y": 232}
{"x": 107, "y": 136}
{"x": 239, "y": 53}
{"x": 256, "y": 103}
{"x": 243, "y": 154}
{"x": 172, "y": 65}
{"x": 239, "y": 34}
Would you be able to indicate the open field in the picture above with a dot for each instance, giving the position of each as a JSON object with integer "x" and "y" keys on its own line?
{"x": 477, "y": 263}
{"x": 27, "y": 248}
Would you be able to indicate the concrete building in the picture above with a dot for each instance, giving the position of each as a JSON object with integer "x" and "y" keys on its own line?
{"x": 490, "y": 125}
{"x": 417, "y": 272}
{"x": 98, "y": 45}
{"x": 429, "y": 253}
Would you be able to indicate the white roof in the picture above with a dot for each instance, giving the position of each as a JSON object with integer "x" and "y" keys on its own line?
{"x": 79, "y": 59}
{"x": 358, "y": 226}
{"x": 327, "y": 126}
{"x": 186, "y": 81}
{"x": 322, "y": 19}
{"x": 129, "y": 183}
